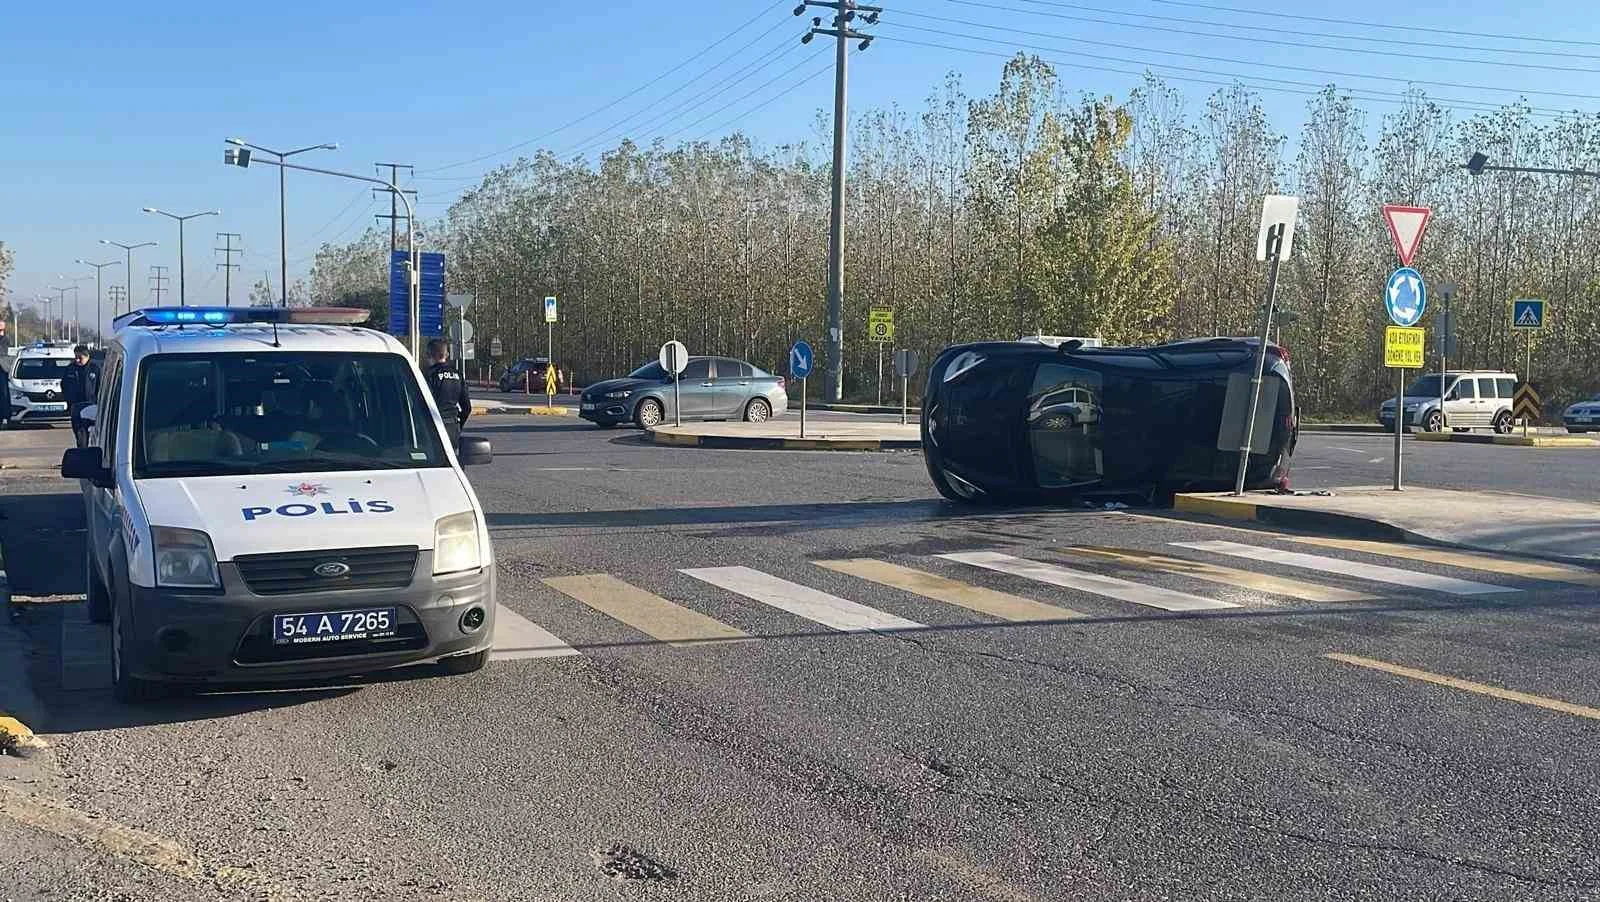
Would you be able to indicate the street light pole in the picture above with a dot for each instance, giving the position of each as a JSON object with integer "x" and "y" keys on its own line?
{"x": 1478, "y": 163}
{"x": 283, "y": 228}
{"x": 98, "y": 312}
{"x": 242, "y": 159}
{"x": 128, "y": 249}
{"x": 182, "y": 298}
{"x": 61, "y": 301}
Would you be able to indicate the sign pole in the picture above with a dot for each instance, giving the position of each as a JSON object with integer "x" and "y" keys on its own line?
{"x": 677, "y": 403}
{"x": 1399, "y": 421}
{"x": 880, "y": 374}
{"x": 904, "y": 403}
{"x": 1274, "y": 246}
{"x": 550, "y": 370}
{"x": 802, "y": 407}
{"x": 1528, "y": 378}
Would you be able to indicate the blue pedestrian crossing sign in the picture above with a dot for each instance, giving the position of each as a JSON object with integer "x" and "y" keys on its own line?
{"x": 801, "y": 360}
{"x": 1527, "y": 313}
{"x": 1405, "y": 296}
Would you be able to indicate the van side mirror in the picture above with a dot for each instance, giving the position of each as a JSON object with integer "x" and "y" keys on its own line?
{"x": 474, "y": 450}
{"x": 85, "y": 463}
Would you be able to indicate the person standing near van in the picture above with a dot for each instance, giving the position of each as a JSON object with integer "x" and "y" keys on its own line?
{"x": 5, "y": 398}
{"x": 449, "y": 389}
{"x": 80, "y": 385}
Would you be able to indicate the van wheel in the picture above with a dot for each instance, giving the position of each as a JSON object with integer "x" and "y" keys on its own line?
{"x": 95, "y": 588}
{"x": 649, "y": 413}
{"x": 1434, "y": 422}
{"x": 126, "y": 689}
{"x": 463, "y": 664}
{"x": 1502, "y": 423}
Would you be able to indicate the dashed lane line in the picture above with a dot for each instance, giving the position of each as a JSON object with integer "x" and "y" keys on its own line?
{"x": 1510, "y": 695}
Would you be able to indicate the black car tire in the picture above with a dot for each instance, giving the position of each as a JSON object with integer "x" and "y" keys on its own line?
{"x": 1502, "y": 423}
{"x": 464, "y": 664}
{"x": 759, "y": 410}
{"x": 1434, "y": 422}
{"x": 649, "y": 413}
{"x": 124, "y": 688}
{"x": 99, "y": 596}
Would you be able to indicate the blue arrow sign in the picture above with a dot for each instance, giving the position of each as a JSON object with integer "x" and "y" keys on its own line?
{"x": 800, "y": 360}
{"x": 1405, "y": 296}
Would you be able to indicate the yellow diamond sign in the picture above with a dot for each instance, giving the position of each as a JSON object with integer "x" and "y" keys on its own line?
{"x": 1403, "y": 348}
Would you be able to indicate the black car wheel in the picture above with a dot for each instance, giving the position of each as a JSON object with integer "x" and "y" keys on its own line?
{"x": 462, "y": 664}
{"x": 126, "y": 689}
{"x": 1434, "y": 422}
{"x": 648, "y": 414}
{"x": 1502, "y": 423}
{"x": 758, "y": 411}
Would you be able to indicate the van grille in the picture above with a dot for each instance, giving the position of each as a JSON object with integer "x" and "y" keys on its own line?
{"x": 295, "y": 572}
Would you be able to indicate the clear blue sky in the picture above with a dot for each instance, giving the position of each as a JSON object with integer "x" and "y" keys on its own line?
{"x": 110, "y": 107}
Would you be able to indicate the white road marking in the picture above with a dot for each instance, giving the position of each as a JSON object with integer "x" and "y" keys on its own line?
{"x": 819, "y": 607}
{"x": 1343, "y": 448}
{"x": 517, "y": 638}
{"x": 1373, "y": 572}
{"x": 1094, "y": 583}
{"x": 1375, "y": 460}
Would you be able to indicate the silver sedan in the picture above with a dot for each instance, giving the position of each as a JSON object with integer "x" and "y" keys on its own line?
{"x": 710, "y": 388}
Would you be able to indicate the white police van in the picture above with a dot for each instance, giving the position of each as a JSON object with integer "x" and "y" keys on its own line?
{"x": 271, "y": 496}
{"x": 36, "y": 383}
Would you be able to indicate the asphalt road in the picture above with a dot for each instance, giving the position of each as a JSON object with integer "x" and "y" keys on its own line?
{"x": 977, "y": 747}
{"x": 1324, "y": 461}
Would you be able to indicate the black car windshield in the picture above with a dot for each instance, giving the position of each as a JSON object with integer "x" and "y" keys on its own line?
{"x": 1425, "y": 386}
{"x": 281, "y": 413}
{"x": 652, "y": 370}
{"x": 41, "y": 367}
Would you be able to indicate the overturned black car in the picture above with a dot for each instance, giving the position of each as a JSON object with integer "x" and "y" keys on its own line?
{"x": 1021, "y": 421}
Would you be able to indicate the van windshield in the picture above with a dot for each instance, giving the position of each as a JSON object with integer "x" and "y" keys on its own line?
{"x": 281, "y": 413}
{"x": 1424, "y": 387}
{"x": 41, "y": 367}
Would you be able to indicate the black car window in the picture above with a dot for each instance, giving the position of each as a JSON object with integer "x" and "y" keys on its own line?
{"x": 699, "y": 369}
{"x": 651, "y": 370}
{"x": 732, "y": 369}
{"x": 1064, "y": 417}
{"x": 1486, "y": 388}
{"x": 979, "y": 415}
{"x": 1508, "y": 388}
{"x": 1466, "y": 387}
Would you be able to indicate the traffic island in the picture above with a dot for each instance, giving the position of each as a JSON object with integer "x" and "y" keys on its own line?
{"x": 784, "y": 435}
{"x": 1514, "y": 439}
{"x": 1495, "y": 522}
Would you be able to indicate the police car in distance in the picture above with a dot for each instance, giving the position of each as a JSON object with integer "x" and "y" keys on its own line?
{"x": 271, "y": 496}
{"x": 36, "y": 383}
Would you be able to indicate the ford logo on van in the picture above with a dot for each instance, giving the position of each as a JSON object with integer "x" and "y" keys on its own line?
{"x": 331, "y": 569}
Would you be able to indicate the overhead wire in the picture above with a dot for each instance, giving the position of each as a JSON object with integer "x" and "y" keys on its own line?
{"x": 1270, "y": 29}
{"x": 1423, "y": 29}
{"x": 595, "y": 112}
{"x": 1190, "y": 33}
{"x": 743, "y": 97}
{"x": 1218, "y": 59}
{"x": 763, "y": 104}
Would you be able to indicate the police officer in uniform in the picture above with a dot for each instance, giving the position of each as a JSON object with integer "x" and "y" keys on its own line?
{"x": 449, "y": 389}
{"x": 80, "y": 385}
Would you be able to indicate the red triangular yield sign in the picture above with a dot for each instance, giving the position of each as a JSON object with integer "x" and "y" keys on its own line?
{"x": 1406, "y": 225}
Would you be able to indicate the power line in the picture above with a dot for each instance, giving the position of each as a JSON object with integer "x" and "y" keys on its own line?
{"x": 227, "y": 266}
{"x": 1217, "y": 7}
{"x": 1058, "y": 4}
{"x": 1190, "y": 33}
{"x": 763, "y": 104}
{"x": 740, "y": 99}
{"x": 1214, "y": 59}
{"x": 591, "y": 114}
{"x": 1385, "y": 96}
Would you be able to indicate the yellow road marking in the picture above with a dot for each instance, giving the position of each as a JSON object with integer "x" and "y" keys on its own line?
{"x": 1510, "y": 695}
{"x": 1228, "y": 576}
{"x": 928, "y": 585}
{"x": 648, "y": 613}
{"x": 1472, "y": 561}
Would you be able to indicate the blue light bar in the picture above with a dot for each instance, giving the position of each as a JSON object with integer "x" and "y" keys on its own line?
{"x": 221, "y": 316}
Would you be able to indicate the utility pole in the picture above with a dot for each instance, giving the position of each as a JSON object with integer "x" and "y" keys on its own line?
{"x": 227, "y": 265}
{"x": 119, "y": 296}
{"x": 283, "y": 205}
{"x": 842, "y": 33}
{"x": 158, "y": 282}
{"x": 394, "y": 202}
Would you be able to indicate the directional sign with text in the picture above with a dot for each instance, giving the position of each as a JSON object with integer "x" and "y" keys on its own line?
{"x": 801, "y": 360}
{"x": 1405, "y": 297}
{"x": 880, "y": 324}
{"x": 1403, "y": 348}
{"x": 1406, "y": 227}
{"x": 431, "y": 291}
{"x": 1527, "y": 313}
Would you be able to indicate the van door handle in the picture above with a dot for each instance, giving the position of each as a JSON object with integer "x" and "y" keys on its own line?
{"x": 744, "y": 383}
{"x": 708, "y": 384}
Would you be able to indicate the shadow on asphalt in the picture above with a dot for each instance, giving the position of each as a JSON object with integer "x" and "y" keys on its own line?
{"x": 810, "y": 514}
{"x": 41, "y": 537}
{"x": 476, "y": 425}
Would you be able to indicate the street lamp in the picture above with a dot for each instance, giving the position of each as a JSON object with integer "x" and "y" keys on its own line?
{"x": 128, "y": 249}
{"x": 283, "y": 229}
{"x": 1478, "y": 164}
{"x": 242, "y": 158}
{"x": 181, "y": 220}
{"x": 98, "y": 320}
{"x": 77, "y": 318}
{"x": 61, "y": 303}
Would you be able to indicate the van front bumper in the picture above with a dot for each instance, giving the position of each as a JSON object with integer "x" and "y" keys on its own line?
{"x": 187, "y": 636}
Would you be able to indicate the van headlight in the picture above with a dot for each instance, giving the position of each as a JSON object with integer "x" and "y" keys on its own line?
{"x": 455, "y": 544}
{"x": 184, "y": 558}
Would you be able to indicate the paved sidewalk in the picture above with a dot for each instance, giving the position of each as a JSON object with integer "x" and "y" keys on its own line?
{"x": 34, "y": 447}
{"x": 1498, "y": 522}
{"x": 784, "y": 435}
{"x": 1539, "y": 438}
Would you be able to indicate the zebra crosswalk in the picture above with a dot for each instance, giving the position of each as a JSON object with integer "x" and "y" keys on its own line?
{"x": 1054, "y": 585}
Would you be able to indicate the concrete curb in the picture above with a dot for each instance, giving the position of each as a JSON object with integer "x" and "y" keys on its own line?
{"x": 766, "y": 443}
{"x": 857, "y": 408}
{"x": 1290, "y": 518}
{"x": 525, "y": 411}
{"x": 1521, "y": 441}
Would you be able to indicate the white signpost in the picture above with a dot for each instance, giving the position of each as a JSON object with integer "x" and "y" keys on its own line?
{"x": 1274, "y": 240}
{"x": 675, "y": 359}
